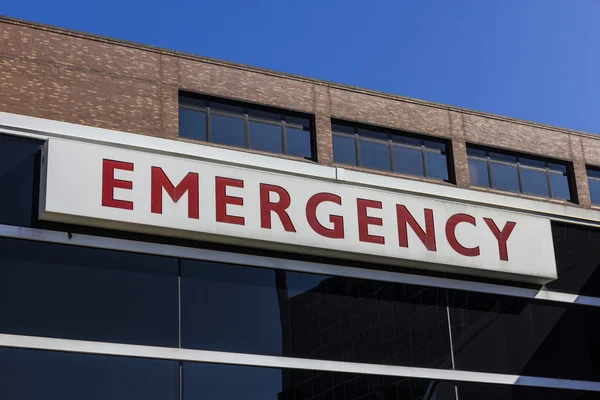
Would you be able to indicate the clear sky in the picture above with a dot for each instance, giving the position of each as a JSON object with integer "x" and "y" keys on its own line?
{"x": 537, "y": 60}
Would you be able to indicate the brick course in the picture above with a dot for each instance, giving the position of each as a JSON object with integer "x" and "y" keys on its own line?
{"x": 68, "y": 76}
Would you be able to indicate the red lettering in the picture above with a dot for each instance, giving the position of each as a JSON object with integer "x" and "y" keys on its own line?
{"x": 266, "y": 207}
{"x": 451, "y": 225}
{"x": 405, "y": 218}
{"x": 189, "y": 184}
{"x": 501, "y": 236}
{"x": 337, "y": 220}
{"x": 364, "y": 221}
{"x": 109, "y": 183}
{"x": 222, "y": 200}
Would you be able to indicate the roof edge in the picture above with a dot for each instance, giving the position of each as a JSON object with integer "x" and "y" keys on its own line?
{"x": 279, "y": 74}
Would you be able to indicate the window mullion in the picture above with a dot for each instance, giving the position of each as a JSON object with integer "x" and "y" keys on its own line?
{"x": 208, "y": 124}
{"x": 519, "y": 177}
{"x": 424, "y": 160}
{"x": 246, "y": 129}
{"x": 391, "y": 155}
{"x": 283, "y": 136}
{"x": 549, "y": 182}
{"x": 356, "y": 141}
{"x": 489, "y": 168}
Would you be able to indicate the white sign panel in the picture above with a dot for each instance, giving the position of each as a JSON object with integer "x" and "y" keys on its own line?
{"x": 131, "y": 190}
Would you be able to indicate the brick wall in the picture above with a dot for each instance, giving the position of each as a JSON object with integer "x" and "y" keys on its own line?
{"x": 84, "y": 79}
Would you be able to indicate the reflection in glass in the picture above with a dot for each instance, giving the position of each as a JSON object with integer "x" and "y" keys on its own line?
{"x": 408, "y": 161}
{"x": 478, "y": 173}
{"x": 344, "y": 150}
{"x": 519, "y": 336}
{"x": 298, "y": 142}
{"x": 212, "y": 381}
{"x": 18, "y": 172}
{"x": 192, "y": 124}
{"x": 374, "y": 155}
{"x": 87, "y": 294}
{"x": 505, "y": 177}
{"x": 437, "y": 165}
{"x": 577, "y": 253}
{"x": 274, "y": 312}
{"x": 534, "y": 182}
{"x": 227, "y": 130}
{"x": 594, "y": 190}
{"x": 35, "y": 375}
{"x": 266, "y": 137}
{"x": 486, "y": 391}
{"x": 560, "y": 186}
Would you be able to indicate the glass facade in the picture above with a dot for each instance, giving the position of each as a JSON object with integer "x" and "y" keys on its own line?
{"x": 517, "y": 173}
{"x": 387, "y": 150}
{"x": 593, "y": 174}
{"x": 247, "y": 126}
{"x": 108, "y": 298}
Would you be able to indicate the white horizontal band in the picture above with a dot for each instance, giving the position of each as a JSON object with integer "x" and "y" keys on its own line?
{"x": 166, "y": 353}
{"x": 287, "y": 264}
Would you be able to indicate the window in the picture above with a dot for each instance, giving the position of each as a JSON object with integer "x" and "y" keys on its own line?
{"x": 34, "y": 374}
{"x": 83, "y": 293}
{"x": 388, "y": 150}
{"x": 18, "y": 171}
{"x": 593, "y": 174}
{"x": 240, "y": 125}
{"x": 516, "y": 173}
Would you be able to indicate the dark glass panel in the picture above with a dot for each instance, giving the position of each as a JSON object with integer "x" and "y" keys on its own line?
{"x": 593, "y": 173}
{"x": 262, "y": 311}
{"x": 298, "y": 142}
{"x": 87, "y": 294}
{"x": 343, "y": 128}
{"x": 226, "y": 107}
{"x": 298, "y": 121}
{"x": 192, "y": 124}
{"x": 369, "y": 133}
{"x": 227, "y": 130}
{"x": 486, "y": 391}
{"x": 535, "y": 182}
{"x": 557, "y": 167}
{"x": 374, "y": 155}
{"x": 577, "y": 259}
{"x": 594, "y": 190}
{"x": 476, "y": 152}
{"x": 344, "y": 150}
{"x": 35, "y": 375}
{"x": 430, "y": 144}
{"x": 531, "y": 162}
{"x": 519, "y": 336}
{"x": 18, "y": 172}
{"x": 275, "y": 117}
{"x": 437, "y": 165}
{"x": 266, "y": 137}
{"x": 560, "y": 186}
{"x": 192, "y": 101}
{"x": 478, "y": 173}
{"x": 502, "y": 157}
{"x": 408, "y": 161}
{"x": 408, "y": 140}
{"x": 212, "y": 381}
{"x": 505, "y": 177}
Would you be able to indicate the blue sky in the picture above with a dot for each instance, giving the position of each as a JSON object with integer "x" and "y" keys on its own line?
{"x": 537, "y": 60}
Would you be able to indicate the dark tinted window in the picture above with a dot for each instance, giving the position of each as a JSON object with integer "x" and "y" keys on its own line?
{"x": 518, "y": 336}
{"x": 485, "y": 391}
{"x": 390, "y": 150}
{"x": 18, "y": 177}
{"x": 577, "y": 259}
{"x": 594, "y": 184}
{"x": 35, "y": 375}
{"x": 88, "y": 294}
{"x": 518, "y": 173}
{"x": 249, "y": 126}
{"x": 192, "y": 124}
{"x": 229, "y": 382}
{"x": 253, "y": 310}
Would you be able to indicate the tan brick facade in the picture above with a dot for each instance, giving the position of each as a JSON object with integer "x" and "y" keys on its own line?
{"x": 84, "y": 79}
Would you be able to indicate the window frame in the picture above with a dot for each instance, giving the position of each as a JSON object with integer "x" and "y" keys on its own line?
{"x": 391, "y": 144}
{"x": 247, "y": 117}
{"x": 520, "y": 166}
{"x": 592, "y": 178}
